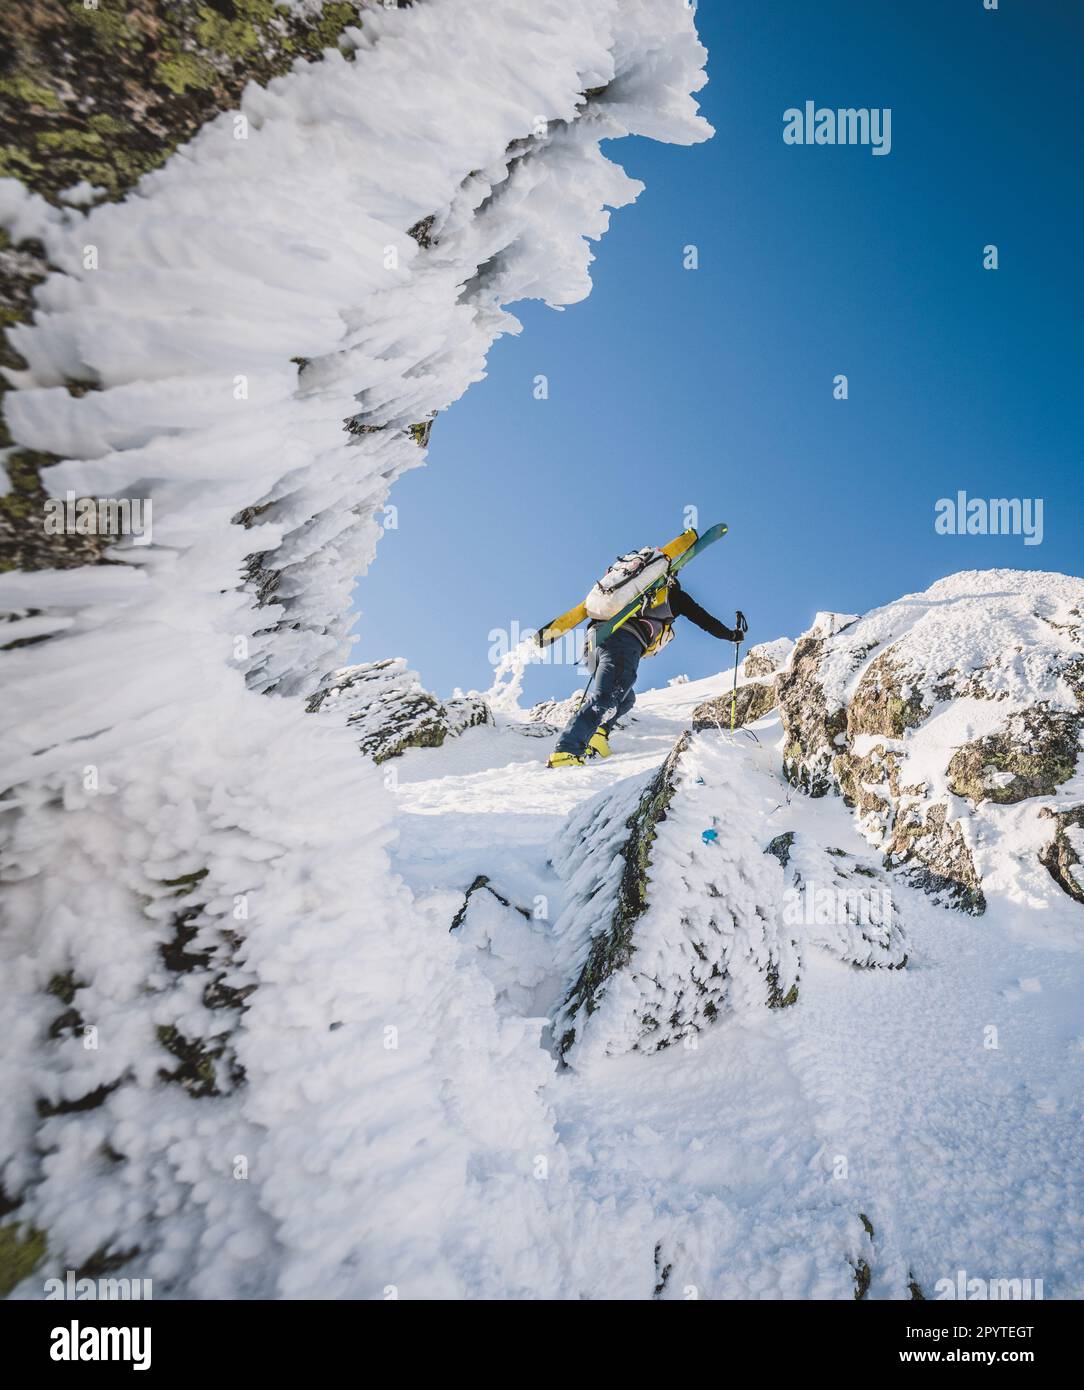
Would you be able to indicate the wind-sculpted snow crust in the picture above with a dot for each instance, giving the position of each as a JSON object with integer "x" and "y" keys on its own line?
{"x": 932, "y": 714}
{"x": 295, "y": 1083}
{"x": 676, "y": 913}
{"x": 841, "y": 902}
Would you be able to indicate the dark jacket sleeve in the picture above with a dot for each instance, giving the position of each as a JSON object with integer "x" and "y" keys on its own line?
{"x": 685, "y": 607}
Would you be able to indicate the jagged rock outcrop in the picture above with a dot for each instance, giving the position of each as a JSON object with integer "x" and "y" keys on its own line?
{"x": 766, "y": 658}
{"x": 751, "y": 701}
{"x": 927, "y": 711}
{"x": 670, "y": 922}
{"x": 1064, "y": 855}
{"x": 887, "y": 701}
{"x": 934, "y": 853}
{"x": 813, "y": 732}
{"x": 388, "y": 709}
{"x": 1032, "y": 755}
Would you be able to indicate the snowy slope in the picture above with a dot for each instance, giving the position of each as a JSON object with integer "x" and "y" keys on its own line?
{"x": 939, "y": 1101}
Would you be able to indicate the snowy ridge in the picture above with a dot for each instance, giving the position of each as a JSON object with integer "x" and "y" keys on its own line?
{"x": 1013, "y": 631}
{"x": 200, "y": 873}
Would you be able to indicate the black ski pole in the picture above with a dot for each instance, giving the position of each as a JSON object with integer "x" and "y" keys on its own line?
{"x": 741, "y": 627}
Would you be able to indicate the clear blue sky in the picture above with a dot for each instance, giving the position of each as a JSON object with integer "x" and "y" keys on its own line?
{"x": 713, "y": 387}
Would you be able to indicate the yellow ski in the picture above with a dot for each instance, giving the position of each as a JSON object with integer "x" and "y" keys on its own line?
{"x": 567, "y": 621}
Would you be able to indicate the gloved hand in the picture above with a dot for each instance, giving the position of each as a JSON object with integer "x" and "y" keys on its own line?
{"x": 733, "y": 634}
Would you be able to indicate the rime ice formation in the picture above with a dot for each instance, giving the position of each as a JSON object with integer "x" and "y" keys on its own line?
{"x": 195, "y": 871}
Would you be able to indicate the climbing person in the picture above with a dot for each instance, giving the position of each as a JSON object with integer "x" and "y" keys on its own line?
{"x": 587, "y": 733}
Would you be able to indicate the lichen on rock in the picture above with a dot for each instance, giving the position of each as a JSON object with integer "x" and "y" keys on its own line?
{"x": 100, "y": 94}
{"x": 92, "y": 97}
{"x": 22, "y": 1250}
{"x": 1032, "y": 755}
{"x": 750, "y": 702}
{"x": 887, "y": 701}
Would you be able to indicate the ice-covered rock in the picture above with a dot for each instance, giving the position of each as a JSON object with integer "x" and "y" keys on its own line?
{"x": 388, "y": 710}
{"x": 930, "y": 713}
{"x": 767, "y": 657}
{"x": 257, "y": 347}
{"x": 671, "y": 921}
{"x": 840, "y": 901}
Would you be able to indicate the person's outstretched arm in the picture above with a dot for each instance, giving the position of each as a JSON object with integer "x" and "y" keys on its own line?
{"x": 684, "y": 606}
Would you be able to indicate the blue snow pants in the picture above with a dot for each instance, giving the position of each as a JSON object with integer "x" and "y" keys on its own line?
{"x": 611, "y": 696}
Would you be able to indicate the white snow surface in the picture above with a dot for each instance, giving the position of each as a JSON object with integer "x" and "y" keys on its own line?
{"x": 941, "y": 1100}
{"x": 1013, "y": 630}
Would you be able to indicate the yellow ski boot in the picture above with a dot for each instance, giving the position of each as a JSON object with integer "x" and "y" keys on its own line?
{"x": 599, "y": 744}
{"x": 563, "y": 760}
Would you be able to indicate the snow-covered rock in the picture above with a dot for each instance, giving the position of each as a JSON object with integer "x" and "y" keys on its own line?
{"x": 930, "y": 713}
{"x": 840, "y": 901}
{"x": 752, "y": 700}
{"x": 388, "y": 710}
{"x": 553, "y": 715}
{"x": 1064, "y": 855}
{"x": 767, "y": 657}
{"x": 513, "y": 944}
{"x": 675, "y": 914}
